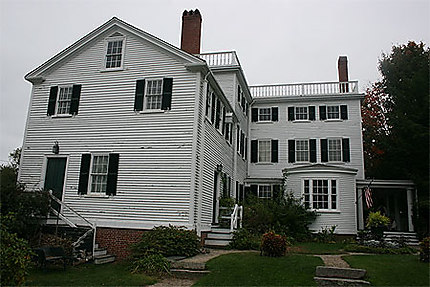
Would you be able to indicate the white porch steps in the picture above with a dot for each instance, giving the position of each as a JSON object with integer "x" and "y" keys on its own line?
{"x": 218, "y": 237}
{"x": 101, "y": 256}
{"x": 410, "y": 238}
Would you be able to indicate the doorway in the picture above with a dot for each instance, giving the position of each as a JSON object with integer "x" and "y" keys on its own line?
{"x": 54, "y": 178}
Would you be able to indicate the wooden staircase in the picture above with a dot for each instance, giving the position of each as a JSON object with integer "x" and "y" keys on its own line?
{"x": 101, "y": 256}
{"x": 218, "y": 237}
{"x": 409, "y": 238}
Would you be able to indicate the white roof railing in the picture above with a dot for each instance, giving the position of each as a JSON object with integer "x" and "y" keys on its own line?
{"x": 220, "y": 58}
{"x": 304, "y": 89}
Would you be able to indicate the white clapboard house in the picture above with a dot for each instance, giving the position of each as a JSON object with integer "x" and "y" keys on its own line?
{"x": 130, "y": 132}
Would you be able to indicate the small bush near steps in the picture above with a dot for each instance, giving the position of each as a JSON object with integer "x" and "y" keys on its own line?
{"x": 425, "y": 249}
{"x": 243, "y": 239}
{"x": 151, "y": 264}
{"x": 273, "y": 245}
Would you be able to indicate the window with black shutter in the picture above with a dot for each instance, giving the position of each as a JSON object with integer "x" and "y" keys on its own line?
{"x": 254, "y": 150}
{"x": 254, "y": 115}
{"x": 344, "y": 112}
{"x": 166, "y": 102}
{"x": 311, "y": 113}
{"x": 76, "y": 95}
{"x": 345, "y": 150}
{"x": 291, "y": 150}
{"x": 274, "y": 114}
{"x": 313, "y": 150}
{"x": 138, "y": 95}
{"x": 84, "y": 174}
{"x": 213, "y": 107}
{"x": 323, "y": 115}
{"x": 112, "y": 176}
{"x": 274, "y": 150}
{"x": 52, "y": 100}
{"x": 324, "y": 150}
{"x": 291, "y": 113}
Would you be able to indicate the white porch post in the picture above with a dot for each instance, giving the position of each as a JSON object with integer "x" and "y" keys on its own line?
{"x": 360, "y": 211}
{"x": 409, "y": 194}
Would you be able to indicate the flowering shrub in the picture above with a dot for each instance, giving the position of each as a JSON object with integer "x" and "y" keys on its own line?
{"x": 273, "y": 245}
{"x": 425, "y": 249}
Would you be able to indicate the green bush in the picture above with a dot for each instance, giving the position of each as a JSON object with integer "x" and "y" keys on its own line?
{"x": 273, "y": 245}
{"x": 425, "y": 249}
{"x": 151, "y": 264}
{"x": 377, "y": 223}
{"x": 167, "y": 241}
{"x": 15, "y": 255}
{"x": 245, "y": 240}
{"x": 378, "y": 250}
{"x": 284, "y": 215}
{"x": 326, "y": 235}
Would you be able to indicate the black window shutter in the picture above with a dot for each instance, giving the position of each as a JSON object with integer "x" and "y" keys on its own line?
{"x": 166, "y": 101}
{"x": 254, "y": 189}
{"x": 313, "y": 150}
{"x": 276, "y": 191}
{"x": 76, "y": 95}
{"x": 323, "y": 115}
{"x": 254, "y": 115}
{"x": 52, "y": 100}
{"x": 218, "y": 113}
{"x": 291, "y": 151}
{"x": 138, "y": 96}
{"x": 324, "y": 150}
{"x": 291, "y": 113}
{"x": 84, "y": 174}
{"x": 254, "y": 151}
{"x": 274, "y": 150}
{"x": 344, "y": 112}
{"x": 246, "y": 148}
{"x": 274, "y": 114}
{"x": 223, "y": 120}
{"x": 345, "y": 150}
{"x": 213, "y": 107}
{"x": 311, "y": 113}
{"x": 112, "y": 174}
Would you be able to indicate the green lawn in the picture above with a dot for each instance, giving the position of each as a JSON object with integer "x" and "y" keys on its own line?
{"x": 392, "y": 270}
{"x": 251, "y": 269}
{"x": 317, "y": 248}
{"x": 114, "y": 274}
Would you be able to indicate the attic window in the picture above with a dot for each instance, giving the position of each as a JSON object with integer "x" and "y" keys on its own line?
{"x": 114, "y": 53}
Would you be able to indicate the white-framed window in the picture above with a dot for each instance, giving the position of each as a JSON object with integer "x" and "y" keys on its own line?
{"x": 153, "y": 94}
{"x": 333, "y": 112}
{"x": 334, "y": 149}
{"x": 264, "y": 150}
{"x": 114, "y": 53}
{"x": 302, "y": 150}
{"x": 99, "y": 173}
{"x": 264, "y": 114}
{"x": 301, "y": 113}
{"x": 64, "y": 99}
{"x": 320, "y": 194}
{"x": 265, "y": 191}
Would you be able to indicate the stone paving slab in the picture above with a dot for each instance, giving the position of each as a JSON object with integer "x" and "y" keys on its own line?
{"x": 336, "y": 272}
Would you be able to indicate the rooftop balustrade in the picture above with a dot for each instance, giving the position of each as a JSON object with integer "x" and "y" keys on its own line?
{"x": 219, "y": 59}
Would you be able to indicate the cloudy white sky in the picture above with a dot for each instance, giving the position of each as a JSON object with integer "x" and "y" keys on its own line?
{"x": 276, "y": 41}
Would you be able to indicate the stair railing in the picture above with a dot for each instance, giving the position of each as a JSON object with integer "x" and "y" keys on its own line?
{"x": 72, "y": 224}
{"x": 236, "y": 217}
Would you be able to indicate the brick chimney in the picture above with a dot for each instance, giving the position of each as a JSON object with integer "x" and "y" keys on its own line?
{"x": 191, "y": 31}
{"x": 342, "y": 67}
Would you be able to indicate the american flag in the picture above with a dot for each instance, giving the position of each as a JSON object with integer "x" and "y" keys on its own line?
{"x": 368, "y": 197}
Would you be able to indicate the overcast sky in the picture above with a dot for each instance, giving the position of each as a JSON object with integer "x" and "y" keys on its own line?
{"x": 276, "y": 41}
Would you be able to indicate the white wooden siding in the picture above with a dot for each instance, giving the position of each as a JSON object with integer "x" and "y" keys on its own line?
{"x": 154, "y": 176}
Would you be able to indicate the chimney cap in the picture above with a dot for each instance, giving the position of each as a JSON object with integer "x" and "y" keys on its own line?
{"x": 191, "y": 13}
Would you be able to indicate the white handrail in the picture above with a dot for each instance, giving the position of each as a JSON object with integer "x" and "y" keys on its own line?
{"x": 236, "y": 217}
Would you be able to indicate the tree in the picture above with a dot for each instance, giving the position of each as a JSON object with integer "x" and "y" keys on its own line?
{"x": 400, "y": 111}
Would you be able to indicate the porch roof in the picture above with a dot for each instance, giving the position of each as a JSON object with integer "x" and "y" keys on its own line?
{"x": 385, "y": 183}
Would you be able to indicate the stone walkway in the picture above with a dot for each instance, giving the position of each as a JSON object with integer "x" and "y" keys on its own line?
{"x": 334, "y": 261}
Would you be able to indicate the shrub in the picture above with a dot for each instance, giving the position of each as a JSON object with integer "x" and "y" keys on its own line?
{"x": 15, "y": 255}
{"x": 377, "y": 223}
{"x": 326, "y": 235}
{"x": 425, "y": 249}
{"x": 167, "y": 241}
{"x": 151, "y": 264}
{"x": 52, "y": 240}
{"x": 378, "y": 250}
{"x": 284, "y": 215}
{"x": 273, "y": 245}
{"x": 245, "y": 240}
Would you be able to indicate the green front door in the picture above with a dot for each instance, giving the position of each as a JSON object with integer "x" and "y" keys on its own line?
{"x": 54, "y": 178}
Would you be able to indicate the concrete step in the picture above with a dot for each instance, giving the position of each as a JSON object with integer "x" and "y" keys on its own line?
{"x": 103, "y": 259}
{"x": 220, "y": 230}
{"x": 100, "y": 252}
{"x": 185, "y": 273}
{"x": 222, "y": 236}
{"x": 216, "y": 242}
{"x": 336, "y": 272}
{"x": 188, "y": 265}
{"x": 323, "y": 281}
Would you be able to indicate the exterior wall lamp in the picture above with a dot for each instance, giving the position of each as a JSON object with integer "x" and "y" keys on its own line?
{"x": 219, "y": 167}
{"x": 56, "y": 148}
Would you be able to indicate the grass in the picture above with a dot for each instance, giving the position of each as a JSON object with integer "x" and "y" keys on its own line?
{"x": 114, "y": 274}
{"x": 392, "y": 270}
{"x": 251, "y": 269}
{"x": 317, "y": 248}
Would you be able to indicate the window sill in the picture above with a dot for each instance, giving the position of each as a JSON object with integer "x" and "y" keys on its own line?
{"x": 264, "y": 122}
{"x": 152, "y": 111}
{"x": 333, "y": 120}
{"x": 111, "y": 69}
{"x": 302, "y": 121}
{"x": 335, "y": 211}
{"x": 61, "y": 116}
{"x": 95, "y": 195}
{"x": 264, "y": 163}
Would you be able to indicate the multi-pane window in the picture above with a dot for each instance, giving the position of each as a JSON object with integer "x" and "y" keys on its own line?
{"x": 265, "y": 191}
{"x": 302, "y": 150}
{"x": 114, "y": 54}
{"x": 333, "y": 112}
{"x": 63, "y": 100}
{"x": 264, "y": 150}
{"x": 320, "y": 193}
{"x": 99, "y": 173}
{"x": 154, "y": 94}
{"x": 334, "y": 149}
{"x": 264, "y": 114}
{"x": 301, "y": 113}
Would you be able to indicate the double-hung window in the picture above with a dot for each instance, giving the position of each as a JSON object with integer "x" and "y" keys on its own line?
{"x": 320, "y": 194}
{"x": 301, "y": 113}
{"x": 265, "y": 191}
{"x": 114, "y": 53}
{"x": 99, "y": 174}
{"x": 333, "y": 112}
{"x": 334, "y": 149}
{"x": 64, "y": 100}
{"x": 302, "y": 150}
{"x": 264, "y": 150}
{"x": 264, "y": 114}
{"x": 154, "y": 94}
